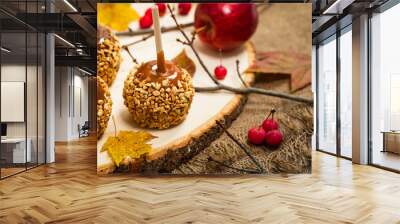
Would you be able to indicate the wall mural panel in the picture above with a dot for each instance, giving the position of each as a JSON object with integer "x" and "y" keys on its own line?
{"x": 204, "y": 88}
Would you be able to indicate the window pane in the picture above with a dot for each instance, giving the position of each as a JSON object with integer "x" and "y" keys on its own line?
{"x": 345, "y": 94}
{"x": 14, "y": 150}
{"x": 22, "y": 85}
{"x": 327, "y": 97}
{"x": 385, "y": 88}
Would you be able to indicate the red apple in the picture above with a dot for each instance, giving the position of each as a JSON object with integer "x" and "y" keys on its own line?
{"x": 225, "y": 26}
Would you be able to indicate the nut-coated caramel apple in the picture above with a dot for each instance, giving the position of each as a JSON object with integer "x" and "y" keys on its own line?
{"x": 158, "y": 99}
{"x": 108, "y": 54}
{"x": 104, "y": 106}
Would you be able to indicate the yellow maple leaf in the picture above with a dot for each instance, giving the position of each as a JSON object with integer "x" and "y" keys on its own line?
{"x": 127, "y": 144}
{"x": 117, "y": 16}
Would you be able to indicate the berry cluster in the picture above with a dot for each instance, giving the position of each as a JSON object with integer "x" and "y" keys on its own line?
{"x": 267, "y": 133}
{"x": 146, "y": 21}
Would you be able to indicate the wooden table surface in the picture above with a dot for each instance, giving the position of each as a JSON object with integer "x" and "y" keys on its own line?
{"x": 70, "y": 191}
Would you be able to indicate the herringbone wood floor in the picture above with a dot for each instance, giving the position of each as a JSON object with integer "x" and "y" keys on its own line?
{"x": 69, "y": 191}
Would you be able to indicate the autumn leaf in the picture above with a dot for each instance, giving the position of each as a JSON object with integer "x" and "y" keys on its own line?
{"x": 296, "y": 65}
{"x": 127, "y": 144}
{"x": 117, "y": 16}
{"x": 183, "y": 61}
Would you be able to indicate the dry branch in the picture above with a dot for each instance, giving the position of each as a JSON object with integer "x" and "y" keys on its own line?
{"x": 243, "y": 147}
{"x": 219, "y": 86}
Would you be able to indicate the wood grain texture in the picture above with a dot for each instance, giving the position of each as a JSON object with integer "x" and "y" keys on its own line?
{"x": 168, "y": 157}
{"x": 70, "y": 191}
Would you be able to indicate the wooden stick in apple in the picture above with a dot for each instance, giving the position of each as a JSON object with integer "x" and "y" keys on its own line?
{"x": 157, "y": 35}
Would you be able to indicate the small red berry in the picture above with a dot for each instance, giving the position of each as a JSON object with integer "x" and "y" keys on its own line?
{"x": 274, "y": 138}
{"x": 146, "y": 22}
{"x": 184, "y": 8}
{"x": 149, "y": 12}
{"x": 256, "y": 135}
{"x": 162, "y": 8}
{"x": 220, "y": 72}
{"x": 270, "y": 124}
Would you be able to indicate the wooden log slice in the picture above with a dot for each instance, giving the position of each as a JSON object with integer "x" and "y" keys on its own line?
{"x": 167, "y": 157}
{"x": 179, "y": 144}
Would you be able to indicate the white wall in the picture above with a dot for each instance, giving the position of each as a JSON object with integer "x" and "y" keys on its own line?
{"x": 33, "y": 127}
{"x": 12, "y": 73}
{"x": 70, "y": 83}
{"x": 61, "y": 103}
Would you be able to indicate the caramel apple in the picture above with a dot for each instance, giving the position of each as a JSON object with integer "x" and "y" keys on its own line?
{"x": 158, "y": 99}
{"x": 108, "y": 54}
{"x": 159, "y": 93}
{"x": 104, "y": 106}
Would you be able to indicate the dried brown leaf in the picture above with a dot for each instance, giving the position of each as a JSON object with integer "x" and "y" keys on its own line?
{"x": 296, "y": 65}
{"x": 183, "y": 61}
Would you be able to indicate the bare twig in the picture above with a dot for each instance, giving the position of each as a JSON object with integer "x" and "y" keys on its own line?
{"x": 181, "y": 41}
{"x": 191, "y": 45}
{"x": 219, "y": 86}
{"x": 250, "y": 90}
{"x": 150, "y": 31}
{"x": 243, "y": 147}
{"x": 144, "y": 38}
{"x": 129, "y": 52}
{"x": 196, "y": 31}
{"x": 240, "y": 75}
{"x": 115, "y": 126}
{"x": 231, "y": 167}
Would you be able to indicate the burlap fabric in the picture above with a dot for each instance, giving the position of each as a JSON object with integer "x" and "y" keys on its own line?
{"x": 282, "y": 27}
